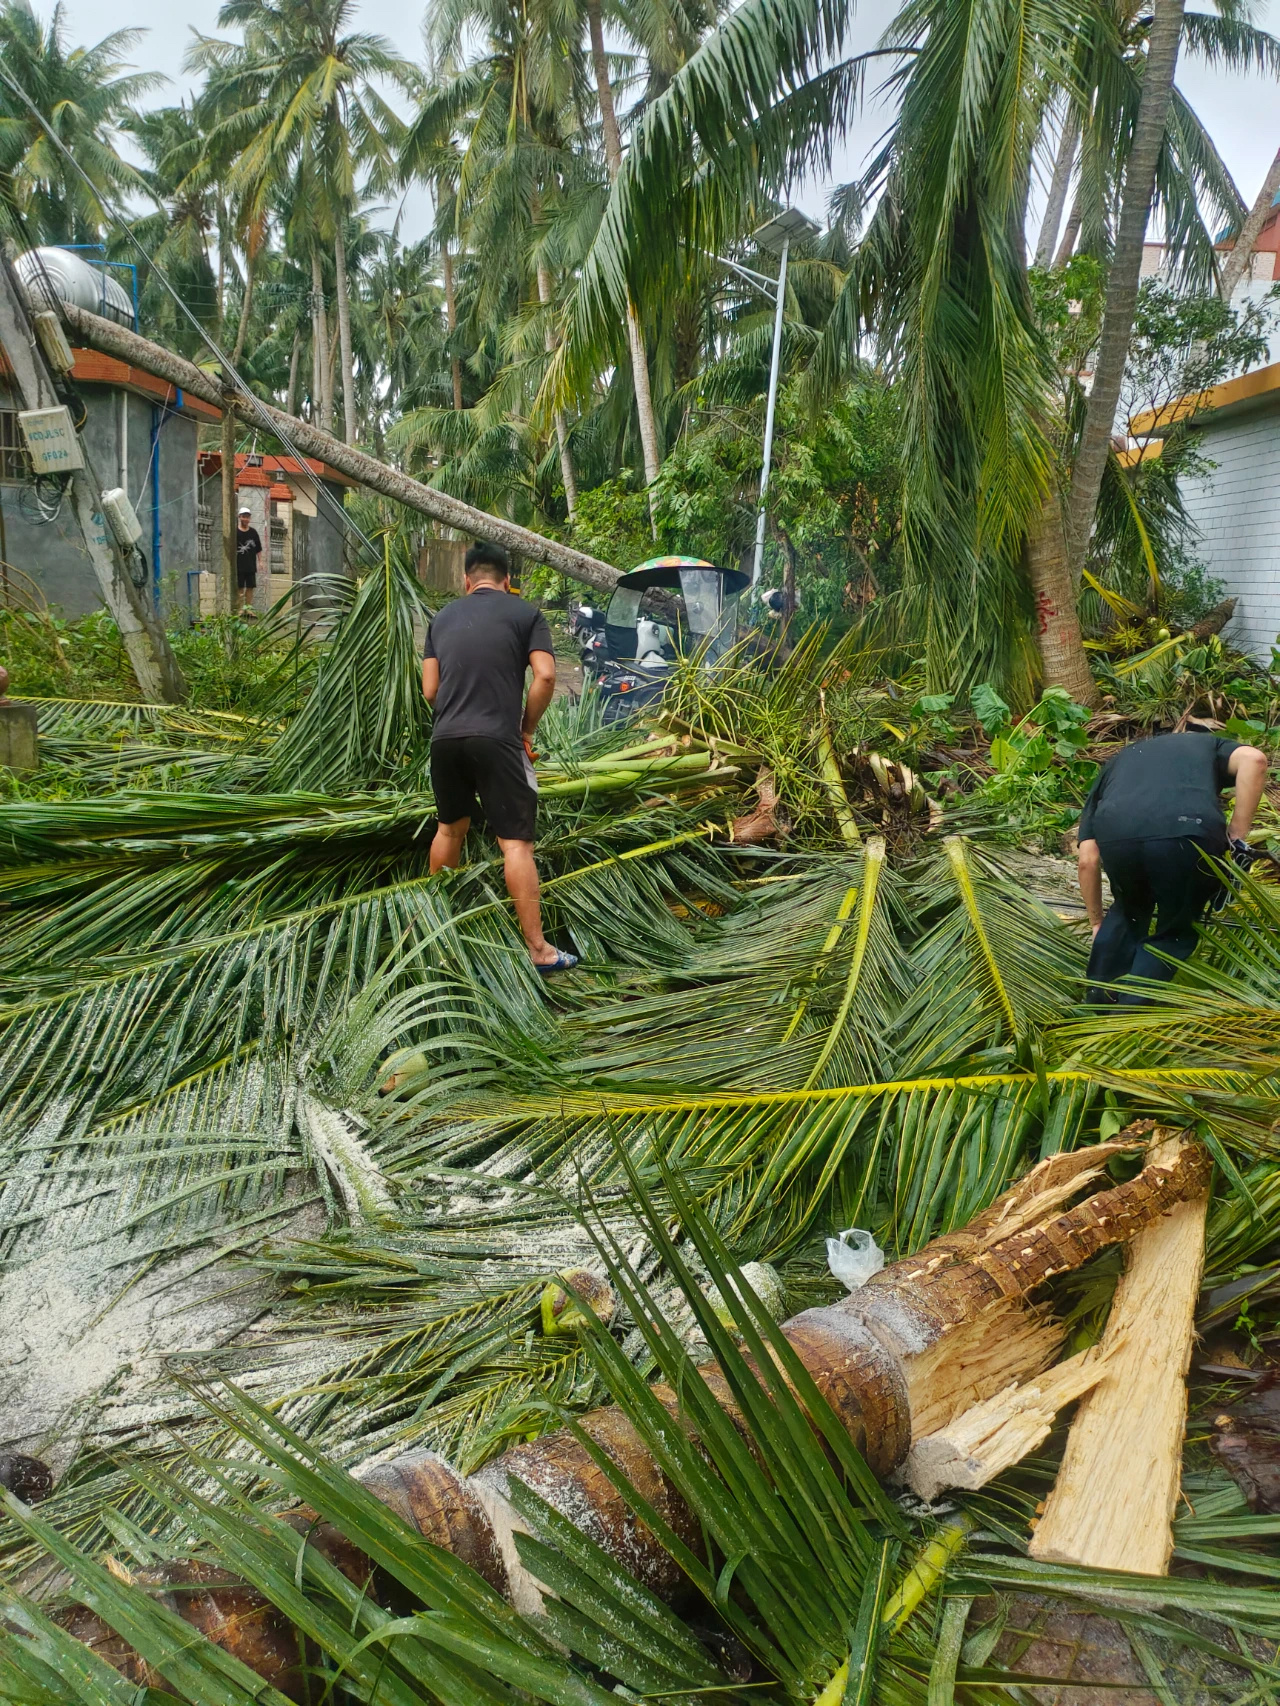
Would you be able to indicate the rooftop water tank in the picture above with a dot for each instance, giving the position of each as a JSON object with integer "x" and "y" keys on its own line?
{"x": 50, "y": 276}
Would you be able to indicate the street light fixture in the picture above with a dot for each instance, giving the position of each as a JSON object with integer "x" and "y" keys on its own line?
{"x": 789, "y": 226}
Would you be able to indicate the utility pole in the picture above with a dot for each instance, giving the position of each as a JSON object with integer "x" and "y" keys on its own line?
{"x": 226, "y": 602}
{"x": 145, "y": 642}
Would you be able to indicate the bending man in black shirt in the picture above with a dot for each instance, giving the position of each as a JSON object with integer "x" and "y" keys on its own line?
{"x": 473, "y": 668}
{"x": 1152, "y": 815}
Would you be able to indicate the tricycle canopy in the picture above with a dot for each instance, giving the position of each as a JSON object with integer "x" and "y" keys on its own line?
{"x": 672, "y": 605}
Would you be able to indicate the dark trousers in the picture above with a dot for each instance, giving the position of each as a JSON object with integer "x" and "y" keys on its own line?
{"x": 1170, "y": 881}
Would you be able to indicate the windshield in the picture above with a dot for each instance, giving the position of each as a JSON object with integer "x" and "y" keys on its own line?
{"x": 711, "y": 620}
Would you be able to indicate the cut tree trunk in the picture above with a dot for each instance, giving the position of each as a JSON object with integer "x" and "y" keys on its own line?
{"x": 96, "y": 333}
{"x": 344, "y": 340}
{"x": 999, "y": 1432}
{"x": 919, "y": 1345}
{"x": 1113, "y": 1502}
{"x": 1058, "y": 187}
{"x": 635, "y": 332}
{"x": 1123, "y": 276}
{"x": 1216, "y": 620}
{"x": 1062, "y": 655}
{"x": 1247, "y": 236}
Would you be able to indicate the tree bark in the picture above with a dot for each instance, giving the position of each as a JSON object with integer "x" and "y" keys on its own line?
{"x": 1112, "y": 1505}
{"x": 93, "y": 331}
{"x": 1058, "y": 187}
{"x": 1240, "y": 255}
{"x": 919, "y": 1344}
{"x": 322, "y": 399}
{"x": 635, "y": 334}
{"x": 246, "y": 308}
{"x": 344, "y": 339}
{"x": 451, "y": 322}
{"x": 562, "y": 426}
{"x": 1123, "y": 276}
{"x": 1067, "y": 247}
{"x": 295, "y": 360}
{"x": 1062, "y": 653}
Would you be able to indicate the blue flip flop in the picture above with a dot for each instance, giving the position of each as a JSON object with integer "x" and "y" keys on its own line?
{"x": 562, "y": 962}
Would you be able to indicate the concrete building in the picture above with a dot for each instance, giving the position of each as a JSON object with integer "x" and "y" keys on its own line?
{"x": 142, "y": 435}
{"x": 300, "y": 531}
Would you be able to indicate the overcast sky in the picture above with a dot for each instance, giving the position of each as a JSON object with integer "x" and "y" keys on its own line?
{"x": 1242, "y": 114}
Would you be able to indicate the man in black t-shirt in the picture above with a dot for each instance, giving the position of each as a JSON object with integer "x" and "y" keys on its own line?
{"x": 473, "y": 668}
{"x": 1152, "y": 816}
{"x": 248, "y": 550}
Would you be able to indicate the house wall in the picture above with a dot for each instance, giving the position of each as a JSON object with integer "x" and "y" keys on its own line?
{"x": 1236, "y": 507}
{"x": 118, "y": 438}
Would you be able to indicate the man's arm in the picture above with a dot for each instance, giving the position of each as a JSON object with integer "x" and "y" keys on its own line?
{"x": 430, "y": 679}
{"x": 1248, "y": 766}
{"x": 1089, "y": 871}
{"x": 541, "y": 689}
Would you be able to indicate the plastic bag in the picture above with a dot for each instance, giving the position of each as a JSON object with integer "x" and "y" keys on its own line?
{"x": 853, "y": 1257}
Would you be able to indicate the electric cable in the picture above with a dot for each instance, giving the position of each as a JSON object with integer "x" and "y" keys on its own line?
{"x": 322, "y": 494}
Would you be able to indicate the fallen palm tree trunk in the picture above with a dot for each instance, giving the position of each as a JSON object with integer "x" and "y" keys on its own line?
{"x": 1113, "y": 1503}
{"x": 109, "y": 339}
{"x": 901, "y": 1358}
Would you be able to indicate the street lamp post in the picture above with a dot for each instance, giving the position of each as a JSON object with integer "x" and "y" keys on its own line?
{"x": 777, "y": 236}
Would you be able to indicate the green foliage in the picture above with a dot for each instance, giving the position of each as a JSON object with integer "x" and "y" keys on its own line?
{"x": 834, "y": 496}
{"x": 1178, "y": 675}
{"x": 1041, "y": 778}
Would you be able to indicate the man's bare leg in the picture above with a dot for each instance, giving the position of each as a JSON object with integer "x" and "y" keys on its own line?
{"x": 522, "y": 885}
{"x": 446, "y": 845}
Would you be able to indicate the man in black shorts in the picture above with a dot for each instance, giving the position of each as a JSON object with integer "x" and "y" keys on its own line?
{"x": 477, "y": 651}
{"x": 248, "y": 550}
{"x": 1152, "y": 822}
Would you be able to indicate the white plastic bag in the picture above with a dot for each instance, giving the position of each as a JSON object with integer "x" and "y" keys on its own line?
{"x": 853, "y": 1257}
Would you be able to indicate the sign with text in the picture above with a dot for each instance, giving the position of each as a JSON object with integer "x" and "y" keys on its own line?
{"x": 51, "y": 440}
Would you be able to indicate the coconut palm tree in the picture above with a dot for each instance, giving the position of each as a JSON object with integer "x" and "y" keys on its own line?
{"x": 511, "y": 82}
{"x": 298, "y": 98}
{"x": 191, "y": 213}
{"x": 86, "y": 95}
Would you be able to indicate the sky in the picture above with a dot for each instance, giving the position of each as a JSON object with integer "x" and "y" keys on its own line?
{"x": 1242, "y": 113}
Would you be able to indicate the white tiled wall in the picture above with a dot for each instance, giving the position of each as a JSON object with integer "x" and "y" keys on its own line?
{"x": 1237, "y": 509}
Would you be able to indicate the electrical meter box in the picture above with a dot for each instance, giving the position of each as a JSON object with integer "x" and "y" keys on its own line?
{"x": 51, "y": 440}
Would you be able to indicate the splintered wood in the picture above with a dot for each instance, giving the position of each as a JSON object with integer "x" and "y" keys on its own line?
{"x": 1112, "y": 1506}
{"x": 994, "y": 1435}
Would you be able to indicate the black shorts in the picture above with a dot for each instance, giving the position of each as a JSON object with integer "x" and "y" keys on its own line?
{"x": 246, "y": 579}
{"x": 498, "y": 771}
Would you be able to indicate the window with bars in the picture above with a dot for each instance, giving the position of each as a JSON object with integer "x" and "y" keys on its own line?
{"x": 15, "y": 466}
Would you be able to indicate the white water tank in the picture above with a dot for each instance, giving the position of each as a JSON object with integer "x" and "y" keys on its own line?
{"x": 50, "y": 276}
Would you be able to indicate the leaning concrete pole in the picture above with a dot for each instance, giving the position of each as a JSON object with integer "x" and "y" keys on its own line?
{"x": 148, "y": 650}
{"x": 110, "y": 339}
